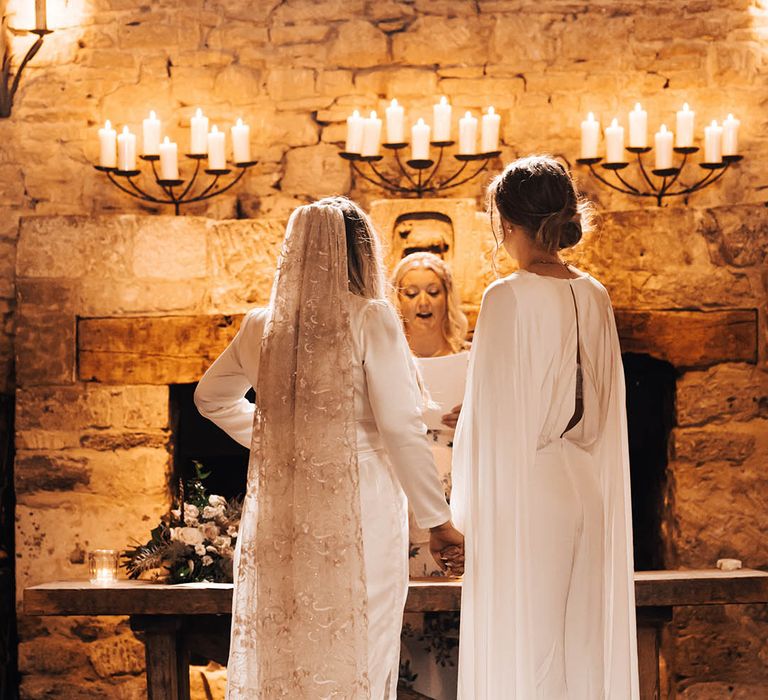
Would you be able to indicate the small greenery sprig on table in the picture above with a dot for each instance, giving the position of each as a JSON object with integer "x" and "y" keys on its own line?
{"x": 194, "y": 542}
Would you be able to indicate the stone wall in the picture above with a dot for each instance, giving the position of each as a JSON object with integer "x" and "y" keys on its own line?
{"x": 294, "y": 69}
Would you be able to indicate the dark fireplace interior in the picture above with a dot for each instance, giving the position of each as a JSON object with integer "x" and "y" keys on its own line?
{"x": 196, "y": 439}
{"x": 650, "y": 415}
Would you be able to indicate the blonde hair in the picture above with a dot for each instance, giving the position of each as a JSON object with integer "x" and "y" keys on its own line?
{"x": 365, "y": 263}
{"x": 455, "y": 324}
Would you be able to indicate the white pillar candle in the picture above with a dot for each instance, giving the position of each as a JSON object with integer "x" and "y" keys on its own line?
{"x": 590, "y": 136}
{"x": 41, "y": 15}
{"x": 489, "y": 136}
{"x": 241, "y": 142}
{"x": 169, "y": 160}
{"x": 198, "y": 138}
{"x": 663, "y": 143}
{"x": 684, "y": 127}
{"x": 614, "y": 143}
{"x": 217, "y": 154}
{"x": 638, "y": 127}
{"x": 371, "y": 136}
{"x": 731, "y": 136}
{"x": 395, "y": 123}
{"x": 126, "y": 150}
{"x": 107, "y": 146}
{"x": 151, "y": 135}
{"x": 420, "y": 141}
{"x": 354, "y": 133}
{"x": 441, "y": 118}
{"x": 468, "y": 135}
{"x": 712, "y": 143}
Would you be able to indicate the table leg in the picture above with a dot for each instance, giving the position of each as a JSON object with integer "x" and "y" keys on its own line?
{"x": 649, "y": 624}
{"x": 167, "y": 657}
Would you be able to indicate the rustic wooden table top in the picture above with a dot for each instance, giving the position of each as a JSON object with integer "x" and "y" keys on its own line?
{"x": 123, "y": 597}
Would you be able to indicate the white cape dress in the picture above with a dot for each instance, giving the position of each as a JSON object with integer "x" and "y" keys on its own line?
{"x": 523, "y": 495}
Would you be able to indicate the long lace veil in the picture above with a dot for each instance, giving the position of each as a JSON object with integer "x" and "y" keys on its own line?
{"x": 299, "y": 622}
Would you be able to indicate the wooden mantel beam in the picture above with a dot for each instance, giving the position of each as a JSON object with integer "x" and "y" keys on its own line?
{"x": 178, "y": 349}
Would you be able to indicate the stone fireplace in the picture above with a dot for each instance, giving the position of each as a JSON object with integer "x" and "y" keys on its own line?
{"x": 120, "y": 315}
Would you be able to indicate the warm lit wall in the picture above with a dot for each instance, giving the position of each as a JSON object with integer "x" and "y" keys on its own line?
{"x": 295, "y": 69}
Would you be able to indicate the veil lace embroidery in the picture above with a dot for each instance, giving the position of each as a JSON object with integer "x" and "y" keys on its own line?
{"x": 299, "y": 612}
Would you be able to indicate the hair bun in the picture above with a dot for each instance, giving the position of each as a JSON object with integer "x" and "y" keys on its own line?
{"x": 571, "y": 234}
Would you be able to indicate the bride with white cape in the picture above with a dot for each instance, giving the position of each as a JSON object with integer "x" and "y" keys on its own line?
{"x": 337, "y": 442}
{"x": 541, "y": 468}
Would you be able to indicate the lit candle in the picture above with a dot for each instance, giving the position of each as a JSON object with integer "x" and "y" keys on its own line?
{"x": 126, "y": 150}
{"x": 371, "y": 136}
{"x": 489, "y": 136}
{"x": 684, "y": 135}
{"x": 108, "y": 146}
{"x": 198, "y": 139}
{"x": 712, "y": 143}
{"x": 468, "y": 135}
{"x": 217, "y": 158}
{"x": 169, "y": 160}
{"x": 590, "y": 136}
{"x": 731, "y": 136}
{"x": 441, "y": 117}
{"x": 41, "y": 15}
{"x": 638, "y": 127}
{"x": 354, "y": 133}
{"x": 241, "y": 142}
{"x": 664, "y": 151}
{"x": 420, "y": 141}
{"x": 395, "y": 123}
{"x": 614, "y": 143}
{"x": 151, "y": 135}
{"x": 102, "y": 566}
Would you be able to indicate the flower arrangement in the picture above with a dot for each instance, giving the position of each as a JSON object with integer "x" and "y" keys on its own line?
{"x": 194, "y": 542}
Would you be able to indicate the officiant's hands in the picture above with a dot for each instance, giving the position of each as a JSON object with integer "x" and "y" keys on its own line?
{"x": 446, "y": 544}
{"x": 452, "y": 418}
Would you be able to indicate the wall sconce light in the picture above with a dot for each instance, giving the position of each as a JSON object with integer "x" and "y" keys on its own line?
{"x": 8, "y": 84}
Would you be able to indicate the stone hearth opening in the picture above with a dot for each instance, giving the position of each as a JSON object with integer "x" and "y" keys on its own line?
{"x": 650, "y": 418}
{"x": 196, "y": 439}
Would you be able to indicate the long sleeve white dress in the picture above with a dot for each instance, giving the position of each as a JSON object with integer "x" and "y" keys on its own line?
{"x": 548, "y": 597}
{"x": 394, "y": 458}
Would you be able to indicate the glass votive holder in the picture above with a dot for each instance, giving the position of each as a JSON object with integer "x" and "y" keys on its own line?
{"x": 103, "y": 565}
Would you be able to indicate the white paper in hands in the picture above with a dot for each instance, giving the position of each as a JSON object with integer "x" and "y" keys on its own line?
{"x": 444, "y": 378}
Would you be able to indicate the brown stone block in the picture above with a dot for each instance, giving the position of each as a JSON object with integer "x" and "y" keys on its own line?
{"x": 46, "y": 688}
{"x": 142, "y": 296}
{"x": 712, "y": 444}
{"x": 116, "y": 656}
{"x": 690, "y": 338}
{"x": 237, "y": 85}
{"x": 55, "y": 655}
{"x": 290, "y": 83}
{"x": 243, "y": 261}
{"x": 170, "y": 248}
{"x": 738, "y": 234}
{"x": 438, "y": 40}
{"x": 502, "y": 92}
{"x": 35, "y": 472}
{"x": 45, "y": 349}
{"x": 106, "y": 442}
{"x": 722, "y": 393}
{"x": 147, "y": 33}
{"x": 155, "y": 350}
{"x": 270, "y": 128}
{"x": 316, "y": 171}
{"x": 307, "y": 33}
{"x": 70, "y": 247}
{"x": 359, "y": 44}
{"x": 130, "y": 100}
{"x": 509, "y": 47}
{"x": 90, "y": 407}
{"x": 578, "y": 43}
{"x": 400, "y": 82}
{"x": 297, "y": 11}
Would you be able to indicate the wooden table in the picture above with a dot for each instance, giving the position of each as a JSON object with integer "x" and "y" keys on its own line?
{"x": 194, "y": 618}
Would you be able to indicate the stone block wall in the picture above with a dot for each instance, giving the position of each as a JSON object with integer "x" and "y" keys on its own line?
{"x": 294, "y": 69}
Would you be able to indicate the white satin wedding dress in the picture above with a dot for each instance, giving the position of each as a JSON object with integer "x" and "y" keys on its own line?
{"x": 393, "y": 453}
{"x": 547, "y": 607}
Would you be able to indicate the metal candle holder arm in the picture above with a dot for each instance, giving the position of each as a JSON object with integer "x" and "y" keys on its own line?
{"x": 169, "y": 194}
{"x": 419, "y": 182}
{"x": 669, "y": 176}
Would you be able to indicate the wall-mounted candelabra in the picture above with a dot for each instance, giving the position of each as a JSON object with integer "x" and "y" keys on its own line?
{"x": 420, "y": 174}
{"x": 21, "y": 25}
{"x": 664, "y": 179}
{"x": 118, "y": 161}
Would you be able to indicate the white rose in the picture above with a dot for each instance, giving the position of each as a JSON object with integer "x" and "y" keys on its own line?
{"x": 189, "y": 535}
{"x": 191, "y": 514}
{"x": 232, "y": 531}
{"x": 217, "y": 501}
{"x": 210, "y": 531}
{"x": 222, "y": 542}
{"x": 213, "y": 512}
{"x": 207, "y": 561}
{"x": 199, "y": 550}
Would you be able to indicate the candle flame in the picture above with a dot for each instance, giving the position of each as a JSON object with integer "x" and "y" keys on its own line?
{"x": 730, "y": 118}
{"x": 373, "y": 114}
{"x": 663, "y": 129}
{"x": 468, "y": 115}
{"x": 638, "y": 108}
{"x": 714, "y": 122}
{"x": 125, "y": 130}
{"x": 491, "y": 110}
{"x": 166, "y": 140}
{"x": 107, "y": 124}
{"x": 394, "y": 103}
{"x": 152, "y": 114}
{"x": 686, "y": 108}
{"x": 214, "y": 129}
{"x": 615, "y": 122}
{"x": 239, "y": 121}
{"x": 420, "y": 122}
{"x": 443, "y": 100}
{"x": 356, "y": 113}
{"x": 590, "y": 117}
{"x": 199, "y": 112}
